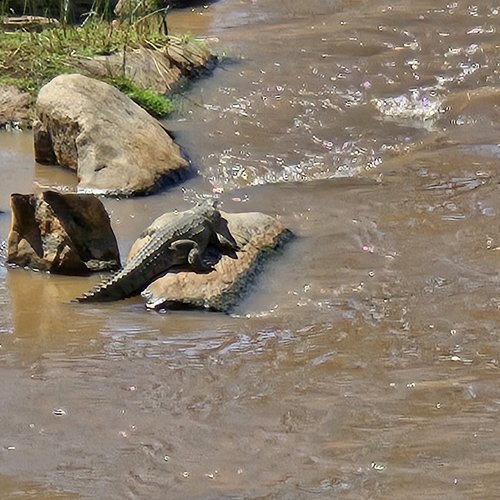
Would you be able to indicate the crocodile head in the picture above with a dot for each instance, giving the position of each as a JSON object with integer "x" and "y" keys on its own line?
{"x": 209, "y": 210}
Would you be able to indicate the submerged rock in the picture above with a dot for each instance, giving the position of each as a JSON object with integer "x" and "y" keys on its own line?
{"x": 256, "y": 235}
{"x": 61, "y": 233}
{"x": 115, "y": 147}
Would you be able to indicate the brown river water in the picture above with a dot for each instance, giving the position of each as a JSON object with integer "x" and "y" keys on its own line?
{"x": 365, "y": 363}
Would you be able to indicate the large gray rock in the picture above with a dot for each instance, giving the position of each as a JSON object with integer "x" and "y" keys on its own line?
{"x": 115, "y": 147}
{"x": 256, "y": 234}
{"x": 62, "y": 233}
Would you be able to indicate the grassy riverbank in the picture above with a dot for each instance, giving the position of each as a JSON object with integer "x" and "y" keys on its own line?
{"x": 29, "y": 59}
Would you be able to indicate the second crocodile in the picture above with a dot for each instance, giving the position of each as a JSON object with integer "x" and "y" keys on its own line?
{"x": 182, "y": 241}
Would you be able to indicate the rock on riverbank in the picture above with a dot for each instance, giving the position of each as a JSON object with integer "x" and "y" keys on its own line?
{"x": 114, "y": 146}
{"x": 162, "y": 68}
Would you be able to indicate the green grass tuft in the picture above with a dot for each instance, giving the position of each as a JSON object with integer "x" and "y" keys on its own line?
{"x": 151, "y": 101}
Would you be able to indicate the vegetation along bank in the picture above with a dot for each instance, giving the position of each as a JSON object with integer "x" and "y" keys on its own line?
{"x": 123, "y": 43}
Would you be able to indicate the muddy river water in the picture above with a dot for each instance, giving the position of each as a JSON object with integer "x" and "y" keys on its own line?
{"x": 365, "y": 363}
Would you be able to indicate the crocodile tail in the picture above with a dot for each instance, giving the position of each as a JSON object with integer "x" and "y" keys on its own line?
{"x": 116, "y": 288}
{"x": 102, "y": 295}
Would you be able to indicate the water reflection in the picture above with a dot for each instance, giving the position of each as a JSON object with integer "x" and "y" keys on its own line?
{"x": 41, "y": 318}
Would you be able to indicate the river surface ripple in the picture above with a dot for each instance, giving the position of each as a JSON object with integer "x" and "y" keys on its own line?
{"x": 365, "y": 363}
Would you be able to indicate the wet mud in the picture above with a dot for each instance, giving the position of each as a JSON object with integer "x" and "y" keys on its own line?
{"x": 365, "y": 361}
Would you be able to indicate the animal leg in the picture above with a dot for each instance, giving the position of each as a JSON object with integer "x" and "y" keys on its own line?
{"x": 190, "y": 251}
{"x": 195, "y": 261}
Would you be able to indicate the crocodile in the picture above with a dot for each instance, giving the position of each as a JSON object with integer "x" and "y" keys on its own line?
{"x": 180, "y": 241}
